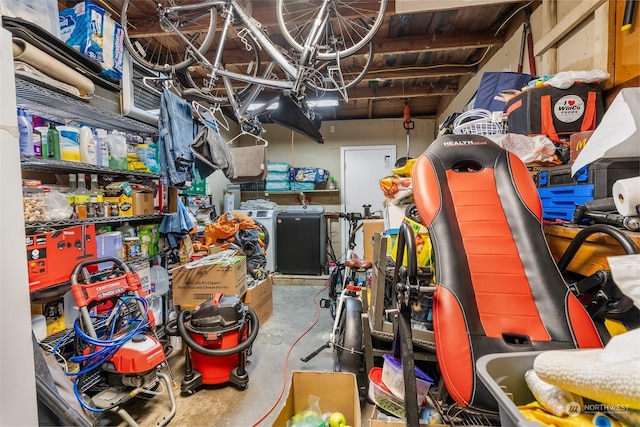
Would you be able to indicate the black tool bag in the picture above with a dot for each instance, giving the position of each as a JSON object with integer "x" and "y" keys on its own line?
{"x": 556, "y": 113}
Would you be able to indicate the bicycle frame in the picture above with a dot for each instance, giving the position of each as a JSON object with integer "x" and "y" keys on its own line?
{"x": 295, "y": 73}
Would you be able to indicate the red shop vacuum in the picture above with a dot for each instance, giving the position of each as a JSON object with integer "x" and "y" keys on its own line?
{"x": 219, "y": 334}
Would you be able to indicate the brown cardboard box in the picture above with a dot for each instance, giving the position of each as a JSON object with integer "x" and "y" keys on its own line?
{"x": 260, "y": 298}
{"x": 337, "y": 391}
{"x": 369, "y": 228}
{"x": 578, "y": 141}
{"x": 142, "y": 203}
{"x": 196, "y": 282}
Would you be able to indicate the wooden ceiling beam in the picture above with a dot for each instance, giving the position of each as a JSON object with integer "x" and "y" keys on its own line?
{"x": 407, "y": 92}
{"x": 435, "y": 42}
{"x": 418, "y": 72}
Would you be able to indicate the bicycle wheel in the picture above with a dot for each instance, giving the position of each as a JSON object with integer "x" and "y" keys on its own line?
{"x": 347, "y": 350}
{"x": 241, "y": 55}
{"x": 151, "y": 41}
{"x": 353, "y": 69}
{"x": 351, "y": 24}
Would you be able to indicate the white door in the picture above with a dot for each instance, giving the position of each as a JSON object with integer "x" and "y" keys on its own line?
{"x": 362, "y": 169}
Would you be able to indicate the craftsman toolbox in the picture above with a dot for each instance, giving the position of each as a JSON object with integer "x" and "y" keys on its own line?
{"x": 560, "y": 192}
{"x": 556, "y": 113}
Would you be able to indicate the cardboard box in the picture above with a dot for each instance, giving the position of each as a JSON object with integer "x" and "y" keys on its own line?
{"x": 338, "y": 392}
{"x": 578, "y": 141}
{"x": 90, "y": 30}
{"x": 52, "y": 309}
{"x": 142, "y": 203}
{"x": 144, "y": 271}
{"x": 393, "y": 215}
{"x": 369, "y": 228}
{"x": 260, "y": 298}
{"x": 125, "y": 204}
{"x": 196, "y": 282}
{"x": 51, "y": 257}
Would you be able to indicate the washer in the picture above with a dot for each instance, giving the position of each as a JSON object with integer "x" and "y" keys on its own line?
{"x": 267, "y": 218}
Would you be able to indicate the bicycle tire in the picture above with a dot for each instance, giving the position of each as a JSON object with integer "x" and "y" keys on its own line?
{"x": 351, "y": 25}
{"x": 353, "y": 70}
{"x": 246, "y": 61}
{"x": 151, "y": 43}
{"x": 349, "y": 337}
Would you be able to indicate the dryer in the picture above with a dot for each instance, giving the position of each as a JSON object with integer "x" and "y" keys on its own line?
{"x": 267, "y": 218}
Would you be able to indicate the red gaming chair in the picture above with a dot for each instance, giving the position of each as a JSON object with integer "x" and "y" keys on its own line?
{"x": 498, "y": 288}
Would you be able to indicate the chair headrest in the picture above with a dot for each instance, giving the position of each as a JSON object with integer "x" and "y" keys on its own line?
{"x": 465, "y": 152}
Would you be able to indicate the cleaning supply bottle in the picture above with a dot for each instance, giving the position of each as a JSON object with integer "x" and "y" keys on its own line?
{"x": 127, "y": 230}
{"x": 82, "y": 197}
{"x": 26, "y": 132}
{"x": 102, "y": 147}
{"x": 117, "y": 150}
{"x": 53, "y": 140}
{"x": 87, "y": 146}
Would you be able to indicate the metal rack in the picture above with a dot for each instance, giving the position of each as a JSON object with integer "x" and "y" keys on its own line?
{"x": 34, "y": 163}
{"x": 55, "y": 106}
{"x": 102, "y": 220}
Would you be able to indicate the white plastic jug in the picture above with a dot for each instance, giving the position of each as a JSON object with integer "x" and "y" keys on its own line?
{"x": 117, "y": 150}
{"x": 159, "y": 280}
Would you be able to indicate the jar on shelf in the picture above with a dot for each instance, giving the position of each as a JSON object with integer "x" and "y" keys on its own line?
{"x": 33, "y": 204}
{"x": 132, "y": 248}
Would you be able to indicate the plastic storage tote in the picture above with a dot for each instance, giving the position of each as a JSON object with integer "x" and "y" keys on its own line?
{"x": 506, "y": 370}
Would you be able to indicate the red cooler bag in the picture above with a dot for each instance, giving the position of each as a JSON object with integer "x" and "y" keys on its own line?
{"x": 557, "y": 113}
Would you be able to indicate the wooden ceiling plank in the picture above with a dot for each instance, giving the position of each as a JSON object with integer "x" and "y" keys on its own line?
{"x": 407, "y": 92}
{"x": 435, "y": 42}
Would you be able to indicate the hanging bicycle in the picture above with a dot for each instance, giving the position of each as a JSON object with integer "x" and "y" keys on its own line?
{"x": 320, "y": 36}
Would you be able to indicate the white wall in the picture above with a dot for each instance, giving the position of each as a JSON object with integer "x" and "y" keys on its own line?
{"x": 304, "y": 152}
{"x": 17, "y": 385}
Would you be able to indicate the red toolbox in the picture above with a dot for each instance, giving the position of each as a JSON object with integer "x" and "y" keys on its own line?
{"x": 52, "y": 256}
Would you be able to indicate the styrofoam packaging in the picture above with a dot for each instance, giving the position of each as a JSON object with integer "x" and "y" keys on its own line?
{"x": 90, "y": 30}
{"x": 43, "y": 13}
{"x": 394, "y": 380}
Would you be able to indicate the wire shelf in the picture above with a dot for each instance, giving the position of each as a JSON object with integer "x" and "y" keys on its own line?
{"x": 35, "y": 163}
{"x": 52, "y": 105}
{"x": 103, "y": 220}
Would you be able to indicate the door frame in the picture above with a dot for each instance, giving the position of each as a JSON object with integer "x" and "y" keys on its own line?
{"x": 343, "y": 193}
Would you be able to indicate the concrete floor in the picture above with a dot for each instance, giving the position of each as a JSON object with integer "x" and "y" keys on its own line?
{"x": 294, "y": 312}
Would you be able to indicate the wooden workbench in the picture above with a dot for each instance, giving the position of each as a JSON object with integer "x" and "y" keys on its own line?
{"x": 592, "y": 256}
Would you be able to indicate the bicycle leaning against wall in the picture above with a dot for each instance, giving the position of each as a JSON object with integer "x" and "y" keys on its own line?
{"x": 319, "y": 35}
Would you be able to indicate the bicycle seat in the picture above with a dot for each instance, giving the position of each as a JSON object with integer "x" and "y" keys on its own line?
{"x": 358, "y": 263}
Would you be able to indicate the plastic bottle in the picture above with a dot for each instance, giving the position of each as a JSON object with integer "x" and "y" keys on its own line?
{"x": 71, "y": 192}
{"x": 159, "y": 280}
{"x": 96, "y": 198}
{"x": 53, "y": 140}
{"x": 102, "y": 147}
{"x": 127, "y": 230}
{"x": 82, "y": 197}
{"x": 87, "y": 146}
{"x": 26, "y": 133}
{"x": 117, "y": 150}
{"x": 38, "y": 148}
{"x": 332, "y": 184}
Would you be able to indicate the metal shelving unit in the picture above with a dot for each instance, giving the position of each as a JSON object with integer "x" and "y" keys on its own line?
{"x": 34, "y": 163}
{"x": 102, "y": 220}
{"x": 62, "y": 108}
